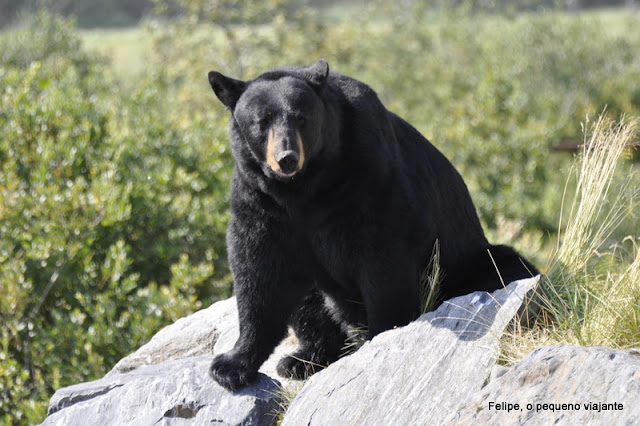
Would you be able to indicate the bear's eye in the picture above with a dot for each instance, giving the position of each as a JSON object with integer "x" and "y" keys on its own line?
{"x": 266, "y": 118}
{"x": 300, "y": 120}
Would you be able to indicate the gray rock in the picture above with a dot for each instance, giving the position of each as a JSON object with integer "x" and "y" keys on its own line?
{"x": 211, "y": 330}
{"x": 396, "y": 379}
{"x": 171, "y": 393}
{"x": 166, "y": 381}
{"x": 497, "y": 371}
{"x": 190, "y": 336}
{"x": 566, "y": 375}
{"x": 415, "y": 375}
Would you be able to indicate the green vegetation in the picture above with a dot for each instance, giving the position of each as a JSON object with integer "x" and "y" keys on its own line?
{"x": 591, "y": 294}
{"x": 113, "y": 13}
{"x": 112, "y": 215}
{"x": 594, "y": 286}
{"x": 115, "y": 165}
{"x": 128, "y": 49}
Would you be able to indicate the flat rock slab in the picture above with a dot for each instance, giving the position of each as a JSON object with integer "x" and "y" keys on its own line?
{"x": 563, "y": 385}
{"x": 178, "y": 392}
{"x": 418, "y": 374}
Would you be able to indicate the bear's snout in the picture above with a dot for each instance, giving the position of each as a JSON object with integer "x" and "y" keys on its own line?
{"x": 285, "y": 151}
{"x": 288, "y": 161}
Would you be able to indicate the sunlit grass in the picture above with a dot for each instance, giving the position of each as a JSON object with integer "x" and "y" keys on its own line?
{"x": 285, "y": 396}
{"x": 591, "y": 294}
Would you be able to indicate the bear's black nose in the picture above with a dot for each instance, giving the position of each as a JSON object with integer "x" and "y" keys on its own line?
{"x": 288, "y": 161}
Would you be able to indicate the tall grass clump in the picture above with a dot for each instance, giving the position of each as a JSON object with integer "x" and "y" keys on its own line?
{"x": 595, "y": 211}
{"x": 591, "y": 294}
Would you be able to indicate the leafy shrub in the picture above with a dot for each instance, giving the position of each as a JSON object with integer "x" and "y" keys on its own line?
{"x": 112, "y": 216}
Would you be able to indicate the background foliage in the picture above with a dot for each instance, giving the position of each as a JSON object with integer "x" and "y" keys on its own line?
{"x": 110, "y": 13}
{"x": 114, "y": 185}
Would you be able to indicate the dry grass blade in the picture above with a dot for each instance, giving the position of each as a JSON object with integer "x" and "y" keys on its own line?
{"x": 430, "y": 281}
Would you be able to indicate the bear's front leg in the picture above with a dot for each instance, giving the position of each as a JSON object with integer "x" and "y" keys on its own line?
{"x": 263, "y": 324}
{"x": 268, "y": 285}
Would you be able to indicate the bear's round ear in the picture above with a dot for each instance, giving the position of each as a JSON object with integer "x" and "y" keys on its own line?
{"x": 227, "y": 89}
{"x": 317, "y": 73}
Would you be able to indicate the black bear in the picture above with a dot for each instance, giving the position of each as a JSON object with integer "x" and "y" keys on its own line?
{"x": 336, "y": 205}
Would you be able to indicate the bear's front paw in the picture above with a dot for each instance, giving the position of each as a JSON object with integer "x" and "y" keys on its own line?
{"x": 231, "y": 371}
{"x": 295, "y": 366}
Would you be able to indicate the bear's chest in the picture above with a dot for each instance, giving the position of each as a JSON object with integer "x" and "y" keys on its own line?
{"x": 336, "y": 239}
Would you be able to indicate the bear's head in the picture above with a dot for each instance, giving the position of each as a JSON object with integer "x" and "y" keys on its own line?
{"x": 279, "y": 116}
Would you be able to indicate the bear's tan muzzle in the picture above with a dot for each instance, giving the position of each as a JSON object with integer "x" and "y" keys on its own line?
{"x": 285, "y": 151}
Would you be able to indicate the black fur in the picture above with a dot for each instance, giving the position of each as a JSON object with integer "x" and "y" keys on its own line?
{"x": 345, "y": 239}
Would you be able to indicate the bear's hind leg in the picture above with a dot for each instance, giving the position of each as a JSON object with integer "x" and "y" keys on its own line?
{"x": 487, "y": 270}
{"x": 510, "y": 264}
{"x": 321, "y": 339}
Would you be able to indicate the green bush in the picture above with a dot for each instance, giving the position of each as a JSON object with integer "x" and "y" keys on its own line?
{"x": 112, "y": 216}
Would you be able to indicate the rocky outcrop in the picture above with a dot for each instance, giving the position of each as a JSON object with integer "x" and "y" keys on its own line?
{"x": 209, "y": 331}
{"x": 191, "y": 336}
{"x": 572, "y": 385}
{"x": 438, "y": 370}
{"x": 415, "y": 375}
{"x": 173, "y": 392}
{"x": 429, "y": 369}
{"x": 166, "y": 381}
